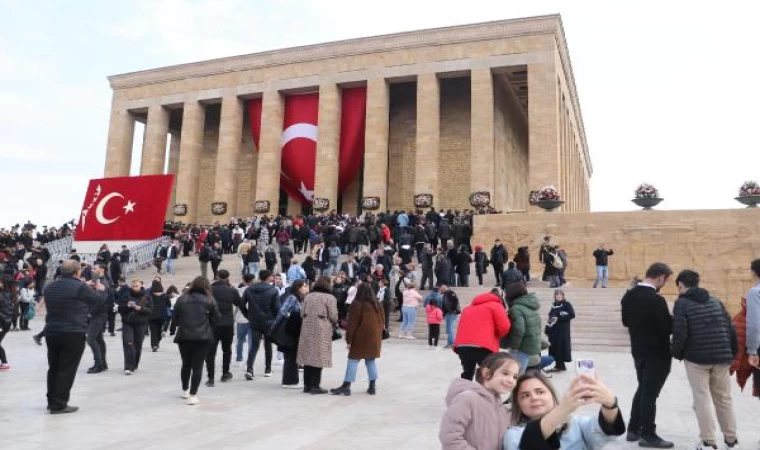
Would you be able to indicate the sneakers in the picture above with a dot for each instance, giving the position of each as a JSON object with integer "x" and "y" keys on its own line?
{"x": 37, "y": 339}
{"x": 68, "y": 409}
{"x": 291, "y": 386}
{"x": 410, "y": 337}
{"x": 192, "y": 400}
{"x": 705, "y": 446}
{"x": 210, "y": 383}
{"x": 226, "y": 377}
{"x": 317, "y": 391}
{"x": 5, "y": 366}
{"x": 95, "y": 369}
{"x": 186, "y": 394}
{"x": 734, "y": 446}
{"x": 654, "y": 441}
{"x": 267, "y": 373}
{"x": 249, "y": 375}
{"x": 127, "y": 372}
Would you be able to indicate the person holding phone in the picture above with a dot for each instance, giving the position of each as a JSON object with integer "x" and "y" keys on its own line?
{"x": 135, "y": 309}
{"x": 558, "y": 331}
{"x": 540, "y": 420}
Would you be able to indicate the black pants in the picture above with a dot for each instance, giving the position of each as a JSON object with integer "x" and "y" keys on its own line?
{"x": 480, "y": 279}
{"x": 651, "y": 375}
{"x": 257, "y": 338}
{"x": 471, "y": 357}
{"x": 111, "y": 322}
{"x": 434, "y": 332}
{"x": 23, "y": 321}
{"x": 132, "y": 336}
{"x": 64, "y": 354}
{"x": 193, "y": 354}
{"x": 290, "y": 367}
{"x": 3, "y": 332}
{"x": 215, "y": 266}
{"x": 526, "y": 274}
{"x": 298, "y": 246}
{"x": 498, "y": 269}
{"x": 312, "y": 377}
{"x": 156, "y": 326}
{"x": 387, "y": 312}
{"x": 95, "y": 340}
{"x": 427, "y": 276}
{"x": 224, "y": 335}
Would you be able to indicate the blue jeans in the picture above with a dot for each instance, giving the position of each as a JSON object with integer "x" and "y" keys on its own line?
{"x": 521, "y": 358}
{"x": 170, "y": 266}
{"x": 243, "y": 331}
{"x": 546, "y": 361}
{"x": 601, "y": 275}
{"x": 253, "y": 268}
{"x": 451, "y": 321}
{"x": 353, "y": 365}
{"x": 410, "y": 317}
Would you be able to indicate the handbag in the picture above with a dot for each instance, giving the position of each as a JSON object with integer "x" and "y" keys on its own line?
{"x": 336, "y": 334}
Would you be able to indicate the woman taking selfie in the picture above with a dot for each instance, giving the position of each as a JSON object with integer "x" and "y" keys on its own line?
{"x": 540, "y": 420}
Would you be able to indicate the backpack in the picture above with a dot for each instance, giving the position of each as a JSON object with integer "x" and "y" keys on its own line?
{"x": 556, "y": 261}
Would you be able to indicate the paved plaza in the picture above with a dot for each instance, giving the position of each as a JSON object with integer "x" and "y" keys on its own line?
{"x": 145, "y": 411}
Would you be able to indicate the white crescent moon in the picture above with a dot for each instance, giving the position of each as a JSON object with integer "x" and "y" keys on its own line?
{"x": 99, "y": 210}
{"x": 300, "y": 130}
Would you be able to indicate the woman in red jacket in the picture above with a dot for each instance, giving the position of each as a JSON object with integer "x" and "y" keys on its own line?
{"x": 481, "y": 326}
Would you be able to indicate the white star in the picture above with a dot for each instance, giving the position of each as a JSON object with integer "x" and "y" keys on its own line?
{"x": 307, "y": 194}
{"x": 129, "y": 207}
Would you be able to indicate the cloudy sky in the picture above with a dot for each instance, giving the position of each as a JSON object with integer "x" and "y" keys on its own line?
{"x": 668, "y": 90}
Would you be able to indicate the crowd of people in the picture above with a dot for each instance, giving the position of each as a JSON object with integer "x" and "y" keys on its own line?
{"x": 308, "y": 282}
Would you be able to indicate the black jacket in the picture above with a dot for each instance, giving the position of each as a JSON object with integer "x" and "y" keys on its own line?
{"x": 6, "y": 309}
{"x": 103, "y": 308}
{"x": 600, "y": 256}
{"x": 260, "y": 303}
{"x": 159, "y": 304}
{"x": 69, "y": 302}
{"x": 510, "y": 276}
{"x": 646, "y": 315}
{"x": 226, "y": 296}
{"x": 702, "y": 329}
{"x": 194, "y": 314}
{"x": 499, "y": 255}
{"x": 131, "y": 315}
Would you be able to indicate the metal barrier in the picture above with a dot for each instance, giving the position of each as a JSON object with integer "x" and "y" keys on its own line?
{"x": 141, "y": 255}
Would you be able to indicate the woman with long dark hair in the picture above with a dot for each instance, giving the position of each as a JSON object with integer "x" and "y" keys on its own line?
{"x": 364, "y": 337}
{"x": 194, "y": 313}
{"x": 286, "y": 330}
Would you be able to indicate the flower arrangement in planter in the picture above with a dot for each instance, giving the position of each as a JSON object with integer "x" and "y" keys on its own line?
{"x": 321, "y": 204}
{"x": 646, "y": 196}
{"x": 180, "y": 209}
{"x": 480, "y": 199}
{"x": 371, "y": 203}
{"x": 261, "y": 206}
{"x": 547, "y": 198}
{"x": 219, "y": 208}
{"x": 749, "y": 194}
{"x": 646, "y": 191}
{"x": 423, "y": 200}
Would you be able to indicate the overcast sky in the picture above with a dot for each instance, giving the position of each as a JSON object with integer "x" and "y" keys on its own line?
{"x": 668, "y": 90}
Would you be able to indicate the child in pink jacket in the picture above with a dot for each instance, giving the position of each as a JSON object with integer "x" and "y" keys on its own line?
{"x": 434, "y": 319}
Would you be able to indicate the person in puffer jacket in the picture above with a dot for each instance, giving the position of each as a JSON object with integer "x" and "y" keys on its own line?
{"x": 705, "y": 339}
{"x": 524, "y": 340}
{"x": 481, "y": 326}
{"x": 475, "y": 417}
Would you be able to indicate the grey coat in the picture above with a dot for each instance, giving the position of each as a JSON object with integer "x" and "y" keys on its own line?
{"x": 320, "y": 314}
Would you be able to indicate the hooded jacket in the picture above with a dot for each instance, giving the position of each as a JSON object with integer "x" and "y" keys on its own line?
{"x": 526, "y": 325}
{"x": 261, "y": 303}
{"x": 702, "y": 329}
{"x": 483, "y": 323}
{"x": 475, "y": 418}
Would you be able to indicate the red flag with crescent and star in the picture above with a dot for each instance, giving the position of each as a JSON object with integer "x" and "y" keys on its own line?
{"x": 125, "y": 208}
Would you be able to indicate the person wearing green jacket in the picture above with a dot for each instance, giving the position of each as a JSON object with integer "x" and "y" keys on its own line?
{"x": 524, "y": 338}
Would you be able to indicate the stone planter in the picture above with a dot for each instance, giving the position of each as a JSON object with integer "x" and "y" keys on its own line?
{"x": 423, "y": 200}
{"x": 180, "y": 209}
{"x": 750, "y": 200}
{"x": 647, "y": 203}
{"x": 371, "y": 203}
{"x": 261, "y": 206}
{"x": 321, "y": 204}
{"x": 219, "y": 208}
{"x": 480, "y": 199}
{"x": 549, "y": 205}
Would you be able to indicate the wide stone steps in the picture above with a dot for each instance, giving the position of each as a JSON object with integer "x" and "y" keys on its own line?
{"x": 596, "y": 327}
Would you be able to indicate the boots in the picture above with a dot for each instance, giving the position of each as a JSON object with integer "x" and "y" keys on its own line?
{"x": 371, "y": 389}
{"x": 344, "y": 389}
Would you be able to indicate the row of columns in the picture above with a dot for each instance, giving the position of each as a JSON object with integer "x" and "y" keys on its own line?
{"x": 544, "y": 129}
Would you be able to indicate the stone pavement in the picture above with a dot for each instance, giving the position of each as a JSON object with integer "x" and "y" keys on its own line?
{"x": 145, "y": 410}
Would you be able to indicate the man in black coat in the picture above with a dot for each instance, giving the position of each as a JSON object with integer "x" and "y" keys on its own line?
{"x": 261, "y": 303}
{"x": 226, "y": 297}
{"x": 499, "y": 257}
{"x": 705, "y": 339}
{"x": 645, "y": 313}
{"x": 69, "y": 302}
{"x": 98, "y": 317}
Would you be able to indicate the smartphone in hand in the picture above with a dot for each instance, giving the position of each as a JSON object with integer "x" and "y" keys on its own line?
{"x": 585, "y": 367}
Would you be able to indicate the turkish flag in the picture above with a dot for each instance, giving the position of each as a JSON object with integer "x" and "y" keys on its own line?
{"x": 299, "y": 146}
{"x": 125, "y": 208}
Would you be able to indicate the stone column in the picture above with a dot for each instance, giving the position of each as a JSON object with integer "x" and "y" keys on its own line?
{"x": 121, "y": 133}
{"x": 328, "y": 144}
{"x": 228, "y": 154}
{"x": 543, "y": 118}
{"x": 191, "y": 147}
{"x": 428, "y": 135}
{"x": 154, "y": 144}
{"x": 173, "y": 169}
{"x": 482, "y": 153}
{"x": 270, "y": 151}
{"x": 376, "y": 142}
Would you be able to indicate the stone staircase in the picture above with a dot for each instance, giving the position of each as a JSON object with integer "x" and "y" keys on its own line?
{"x": 597, "y": 325}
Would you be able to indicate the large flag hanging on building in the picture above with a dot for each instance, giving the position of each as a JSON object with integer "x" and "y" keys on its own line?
{"x": 125, "y": 208}
{"x": 300, "y": 136}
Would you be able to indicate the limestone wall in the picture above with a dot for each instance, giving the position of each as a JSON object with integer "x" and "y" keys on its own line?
{"x": 401, "y": 145}
{"x": 511, "y": 147}
{"x": 454, "y": 159}
{"x": 719, "y": 244}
